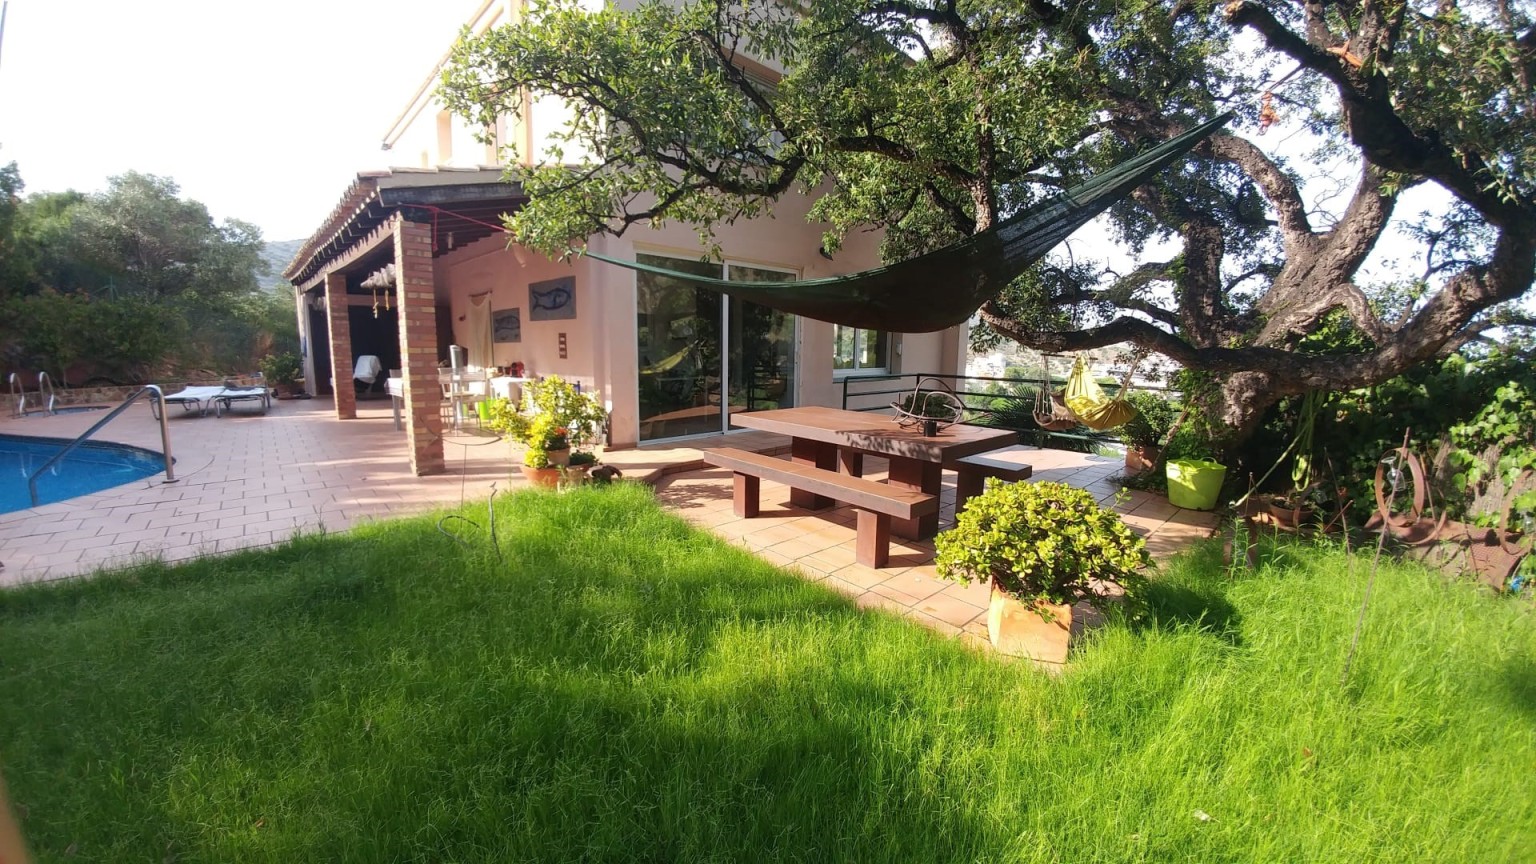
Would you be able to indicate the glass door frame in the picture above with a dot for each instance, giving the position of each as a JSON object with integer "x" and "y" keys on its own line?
{"x": 725, "y": 346}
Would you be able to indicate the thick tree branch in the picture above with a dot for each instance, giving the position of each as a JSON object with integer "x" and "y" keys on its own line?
{"x": 1278, "y": 187}
{"x": 1375, "y": 127}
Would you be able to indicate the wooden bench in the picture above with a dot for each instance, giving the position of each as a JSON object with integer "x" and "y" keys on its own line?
{"x": 972, "y": 472}
{"x": 876, "y": 503}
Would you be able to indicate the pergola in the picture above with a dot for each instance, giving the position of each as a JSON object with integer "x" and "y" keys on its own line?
{"x": 407, "y": 218}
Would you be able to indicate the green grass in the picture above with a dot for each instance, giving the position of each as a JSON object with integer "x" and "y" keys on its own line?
{"x": 625, "y": 688}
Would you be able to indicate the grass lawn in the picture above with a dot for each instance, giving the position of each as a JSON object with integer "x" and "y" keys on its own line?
{"x": 623, "y": 687}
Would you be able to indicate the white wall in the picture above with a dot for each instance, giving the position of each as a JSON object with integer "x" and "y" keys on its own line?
{"x": 601, "y": 340}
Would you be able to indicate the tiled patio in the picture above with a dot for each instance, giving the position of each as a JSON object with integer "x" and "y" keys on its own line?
{"x": 819, "y": 545}
{"x": 248, "y": 479}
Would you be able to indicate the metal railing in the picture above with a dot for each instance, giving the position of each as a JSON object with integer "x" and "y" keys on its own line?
{"x": 165, "y": 439}
{"x": 1006, "y": 403}
{"x": 18, "y": 396}
{"x": 45, "y": 386}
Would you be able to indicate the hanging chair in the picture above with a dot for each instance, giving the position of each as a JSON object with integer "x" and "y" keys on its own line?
{"x": 1095, "y": 410}
{"x": 1051, "y": 411}
{"x": 945, "y": 287}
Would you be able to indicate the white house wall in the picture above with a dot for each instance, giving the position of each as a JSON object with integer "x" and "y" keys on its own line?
{"x": 600, "y": 341}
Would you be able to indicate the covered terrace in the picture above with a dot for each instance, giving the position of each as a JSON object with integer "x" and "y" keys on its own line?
{"x": 406, "y": 218}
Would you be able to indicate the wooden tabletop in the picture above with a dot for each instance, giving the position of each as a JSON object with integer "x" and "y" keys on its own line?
{"x": 876, "y": 433}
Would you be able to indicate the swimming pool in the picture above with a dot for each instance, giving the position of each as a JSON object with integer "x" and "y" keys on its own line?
{"x": 91, "y": 467}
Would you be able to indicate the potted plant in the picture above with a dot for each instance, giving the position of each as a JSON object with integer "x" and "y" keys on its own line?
{"x": 1041, "y": 547}
{"x": 1194, "y": 478}
{"x": 281, "y": 372}
{"x": 1143, "y": 434}
{"x": 557, "y": 430}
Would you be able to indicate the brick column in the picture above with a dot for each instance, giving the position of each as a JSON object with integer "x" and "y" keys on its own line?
{"x": 336, "y": 311}
{"x": 418, "y": 345}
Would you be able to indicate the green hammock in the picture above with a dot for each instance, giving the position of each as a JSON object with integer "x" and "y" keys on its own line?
{"x": 945, "y": 287}
{"x": 1093, "y": 409}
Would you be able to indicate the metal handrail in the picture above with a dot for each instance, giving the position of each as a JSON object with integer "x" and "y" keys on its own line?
{"x": 45, "y": 385}
{"x": 165, "y": 439}
{"x": 19, "y": 394}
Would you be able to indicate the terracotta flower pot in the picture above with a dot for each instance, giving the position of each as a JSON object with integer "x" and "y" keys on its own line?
{"x": 1140, "y": 459}
{"x": 1018, "y": 630}
{"x": 549, "y": 478}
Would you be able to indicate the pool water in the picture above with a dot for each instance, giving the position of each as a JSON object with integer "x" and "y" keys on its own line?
{"x": 92, "y": 467}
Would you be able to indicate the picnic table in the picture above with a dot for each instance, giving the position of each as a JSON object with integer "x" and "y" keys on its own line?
{"x": 837, "y": 439}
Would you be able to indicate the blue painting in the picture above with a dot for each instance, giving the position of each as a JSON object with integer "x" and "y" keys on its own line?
{"x": 552, "y": 300}
{"x": 507, "y": 325}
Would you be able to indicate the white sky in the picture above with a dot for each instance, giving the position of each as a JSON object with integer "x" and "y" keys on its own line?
{"x": 262, "y": 111}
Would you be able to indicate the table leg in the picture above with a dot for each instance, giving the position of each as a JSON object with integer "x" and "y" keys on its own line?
{"x": 850, "y": 461}
{"x": 920, "y": 476}
{"x": 394, "y": 402}
{"x": 821, "y": 454}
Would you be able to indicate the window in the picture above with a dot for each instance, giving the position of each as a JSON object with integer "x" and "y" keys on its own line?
{"x": 855, "y": 350}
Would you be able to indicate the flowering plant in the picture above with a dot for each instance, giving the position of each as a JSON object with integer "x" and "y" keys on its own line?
{"x": 559, "y": 417}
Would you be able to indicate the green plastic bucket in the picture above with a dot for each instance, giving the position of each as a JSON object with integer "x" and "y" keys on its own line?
{"x": 1195, "y": 484}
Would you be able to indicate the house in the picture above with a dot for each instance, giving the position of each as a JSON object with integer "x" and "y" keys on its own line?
{"x": 669, "y": 361}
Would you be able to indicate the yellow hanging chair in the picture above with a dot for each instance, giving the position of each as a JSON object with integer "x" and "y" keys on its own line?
{"x": 1093, "y": 409}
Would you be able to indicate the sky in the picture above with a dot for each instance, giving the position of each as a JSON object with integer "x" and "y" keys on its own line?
{"x": 262, "y": 111}
{"x": 266, "y": 111}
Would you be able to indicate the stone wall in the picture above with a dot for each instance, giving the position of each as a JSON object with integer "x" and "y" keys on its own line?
{"x": 112, "y": 395}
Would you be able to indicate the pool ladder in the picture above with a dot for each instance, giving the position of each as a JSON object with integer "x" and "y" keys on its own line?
{"x": 18, "y": 396}
{"x": 45, "y": 395}
{"x": 165, "y": 436}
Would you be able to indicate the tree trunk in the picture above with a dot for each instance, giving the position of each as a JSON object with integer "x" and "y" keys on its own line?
{"x": 1245, "y": 396}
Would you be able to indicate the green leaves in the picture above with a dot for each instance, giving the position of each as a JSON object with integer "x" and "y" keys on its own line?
{"x": 1041, "y": 540}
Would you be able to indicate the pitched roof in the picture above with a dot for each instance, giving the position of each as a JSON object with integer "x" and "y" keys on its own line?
{"x": 464, "y": 204}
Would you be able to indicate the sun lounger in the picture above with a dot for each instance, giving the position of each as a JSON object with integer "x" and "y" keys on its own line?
{"x": 219, "y": 399}
{"x": 229, "y": 395}
{"x": 189, "y": 398}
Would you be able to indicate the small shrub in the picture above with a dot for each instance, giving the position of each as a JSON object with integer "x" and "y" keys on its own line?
{"x": 1154, "y": 417}
{"x": 280, "y": 369}
{"x": 1042, "y": 543}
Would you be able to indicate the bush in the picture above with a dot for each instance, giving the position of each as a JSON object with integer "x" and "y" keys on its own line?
{"x": 1041, "y": 543}
{"x": 280, "y": 369}
{"x": 1154, "y": 417}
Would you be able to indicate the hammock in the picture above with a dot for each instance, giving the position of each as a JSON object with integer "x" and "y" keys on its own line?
{"x": 1051, "y": 411}
{"x": 1093, "y": 409}
{"x": 945, "y": 287}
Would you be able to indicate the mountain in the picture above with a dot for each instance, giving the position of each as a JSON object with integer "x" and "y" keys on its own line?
{"x": 277, "y": 254}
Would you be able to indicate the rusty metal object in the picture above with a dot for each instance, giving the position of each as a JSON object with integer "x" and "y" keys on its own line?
{"x": 1491, "y": 554}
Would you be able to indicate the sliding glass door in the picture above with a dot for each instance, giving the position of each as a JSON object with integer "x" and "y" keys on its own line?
{"x": 704, "y": 356}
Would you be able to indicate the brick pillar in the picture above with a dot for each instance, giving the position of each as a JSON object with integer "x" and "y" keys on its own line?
{"x": 418, "y": 345}
{"x": 336, "y": 311}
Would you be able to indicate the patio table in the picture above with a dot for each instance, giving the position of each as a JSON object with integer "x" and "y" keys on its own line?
{"x": 836, "y": 439}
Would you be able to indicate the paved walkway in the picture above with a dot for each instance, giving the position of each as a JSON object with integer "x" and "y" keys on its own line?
{"x": 819, "y": 545}
{"x": 247, "y": 479}
{"x": 244, "y": 479}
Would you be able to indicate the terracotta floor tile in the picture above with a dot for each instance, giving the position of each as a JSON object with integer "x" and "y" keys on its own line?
{"x": 871, "y": 600}
{"x": 949, "y": 609}
{"x": 864, "y": 577}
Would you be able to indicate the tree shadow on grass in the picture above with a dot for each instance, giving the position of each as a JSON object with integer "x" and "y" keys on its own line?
{"x": 1178, "y": 606}
{"x": 641, "y": 695}
{"x": 1519, "y": 681}
{"x": 1192, "y": 594}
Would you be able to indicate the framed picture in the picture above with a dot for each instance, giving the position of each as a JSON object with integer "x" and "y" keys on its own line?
{"x": 507, "y": 325}
{"x": 552, "y": 300}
